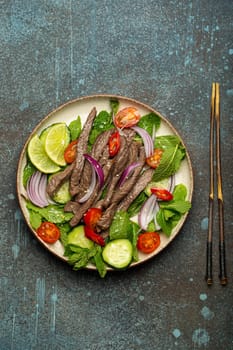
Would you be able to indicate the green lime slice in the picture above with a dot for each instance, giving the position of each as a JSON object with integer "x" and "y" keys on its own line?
{"x": 56, "y": 141}
{"x": 39, "y": 157}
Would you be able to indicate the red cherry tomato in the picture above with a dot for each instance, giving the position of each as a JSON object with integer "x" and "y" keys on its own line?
{"x": 162, "y": 193}
{"x": 70, "y": 152}
{"x": 114, "y": 144}
{"x": 95, "y": 237}
{"x": 148, "y": 242}
{"x": 91, "y": 217}
{"x": 48, "y": 232}
{"x": 154, "y": 160}
{"x": 127, "y": 117}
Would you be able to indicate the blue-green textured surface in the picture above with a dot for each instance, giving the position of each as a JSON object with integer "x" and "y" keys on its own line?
{"x": 165, "y": 53}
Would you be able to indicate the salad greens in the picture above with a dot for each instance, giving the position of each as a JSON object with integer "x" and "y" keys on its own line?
{"x": 170, "y": 212}
{"x": 75, "y": 128}
{"x": 122, "y": 226}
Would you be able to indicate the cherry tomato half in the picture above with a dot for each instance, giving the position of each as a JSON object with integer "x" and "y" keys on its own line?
{"x": 154, "y": 160}
{"x": 70, "y": 152}
{"x": 91, "y": 217}
{"x": 95, "y": 237}
{"x": 114, "y": 144}
{"x": 48, "y": 232}
{"x": 148, "y": 242}
{"x": 127, "y": 117}
{"x": 162, "y": 193}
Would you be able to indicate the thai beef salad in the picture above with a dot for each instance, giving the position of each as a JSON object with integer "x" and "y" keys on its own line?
{"x": 106, "y": 189}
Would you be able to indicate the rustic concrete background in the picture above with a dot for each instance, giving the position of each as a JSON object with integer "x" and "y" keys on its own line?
{"x": 165, "y": 53}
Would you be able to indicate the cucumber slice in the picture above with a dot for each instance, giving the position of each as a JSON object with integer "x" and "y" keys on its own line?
{"x": 62, "y": 195}
{"x": 77, "y": 237}
{"x": 118, "y": 253}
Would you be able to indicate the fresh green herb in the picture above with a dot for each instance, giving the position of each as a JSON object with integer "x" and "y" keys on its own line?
{"x": 75, "y": 128}
{"x": 136, "y": 204}
{"x": 28, "y": 170}
{"x": 102, "y": 122}
{"x": 121, "y": 226}
{"x": 149, "y": 122}
{"x": 99, "y": 263}
{"x": 167, "y": 141}
{"x": 79, "y": 257}
{"x": 114, "y": 104}
{"x": 52, "y": 213}
{"x": 170, "y": 212}
{"x": 64, "y": 230}
{"x": 35, "y": 219}
{"x": 169, "y": 164}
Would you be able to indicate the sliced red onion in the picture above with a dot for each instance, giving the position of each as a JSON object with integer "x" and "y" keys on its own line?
{"x": 36, "y": 189}
{"x": 147, "y": 140}
{"x": 157, "y": 226}
{"x": 91, "y": 187}
{"x": 127, "y": 172}
{"x": 147, "y": 212}
{"x": 172, "y": 183}
{"x": 97, "y": 167}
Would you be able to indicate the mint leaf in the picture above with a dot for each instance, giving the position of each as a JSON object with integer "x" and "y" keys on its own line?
{"x": 52, "y": 213}
{"x": 102, "y": 122}
{"x": 114, "y": 104}
{"x": 121, "y": 226}
{"x": 28, "y": 170}
{"x": 180, "y": 192}
{"x": 75, "y": 128}
{"x": 99, "y": 263}
{"x": 178, "y": 205}
{"x": 149, "y": 122}
{"x": 35, "y": 219}
{"x": 169, "y": 163}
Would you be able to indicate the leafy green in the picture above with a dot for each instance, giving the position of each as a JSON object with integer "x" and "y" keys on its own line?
{"x": 75, "y": 128}
{"x": 149, "y": 122}
{"x": 121, "y": 226}
{"x": 52, "y": 213}
{"x": 114, "y": 104}
{"x": 79, "y": 257}
{"x": 167, "y": 141}
{"x": 169, "y": 163}
{"x": 28, "y": 170}
{"x": 135, "y": 206}
{"x": 35, "y": 219}
{"x": 102, "y": 122}
{"x": 99, "y": 262}
{"x": 64, "y": 230}
{"x": 171, "y": 212}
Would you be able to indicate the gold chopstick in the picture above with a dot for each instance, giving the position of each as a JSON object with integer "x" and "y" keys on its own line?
{"x": 222, "y": 259}
{"x": 215, "y": 118}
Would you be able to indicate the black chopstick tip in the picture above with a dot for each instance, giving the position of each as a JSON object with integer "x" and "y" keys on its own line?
{"x": 223, "y": 281}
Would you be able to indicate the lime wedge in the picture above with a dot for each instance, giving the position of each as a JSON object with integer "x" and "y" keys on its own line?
{"x": 56, "y": 141}
{"x": 39, "y": 157}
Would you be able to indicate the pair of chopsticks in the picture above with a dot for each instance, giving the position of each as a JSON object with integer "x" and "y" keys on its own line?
{"x": 215, "y": 151}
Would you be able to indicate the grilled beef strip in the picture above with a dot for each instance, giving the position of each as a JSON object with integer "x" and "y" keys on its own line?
{"x": 81, "y": 149}
{"x": 142, "y": 182}
{"x": 96, "y": 194}
{"x": 100, "y": 153}
{"x": 107, "y": 217}
{"x": 57, "y": 180}
{"x": 120, "y": 161}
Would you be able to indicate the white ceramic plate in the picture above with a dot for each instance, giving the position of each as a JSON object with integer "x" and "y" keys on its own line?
{"x": 82, "y": 107}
